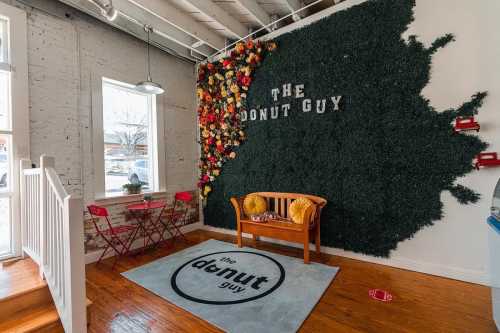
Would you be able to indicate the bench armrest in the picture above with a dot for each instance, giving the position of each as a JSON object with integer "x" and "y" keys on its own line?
{"x": 238, "y": 207}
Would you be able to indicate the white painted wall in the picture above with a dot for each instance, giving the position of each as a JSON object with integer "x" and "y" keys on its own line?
{"x": 459, "y": 242}
{"x": 456, "y": 246}
{"x": 65, "y": 53}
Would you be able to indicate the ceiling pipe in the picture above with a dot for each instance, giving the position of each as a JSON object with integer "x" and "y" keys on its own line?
{"x": 107, "y": 9}
{"x": 192, "y": 47}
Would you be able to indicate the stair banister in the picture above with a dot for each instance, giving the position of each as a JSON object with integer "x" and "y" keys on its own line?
{"x": 52, "y": 235}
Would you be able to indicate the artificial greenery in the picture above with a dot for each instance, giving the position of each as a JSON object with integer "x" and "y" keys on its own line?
{"x": 384, "y": 160}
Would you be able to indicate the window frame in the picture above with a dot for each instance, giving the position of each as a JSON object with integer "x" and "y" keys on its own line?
{"x": 156, "y": 138}
{"x": 16, "y": 63}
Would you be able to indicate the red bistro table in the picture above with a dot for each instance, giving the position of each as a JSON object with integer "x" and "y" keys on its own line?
{"x": 143, "y": 214}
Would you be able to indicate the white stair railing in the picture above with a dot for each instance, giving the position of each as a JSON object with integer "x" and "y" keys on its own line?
{"x": 30, "y": 210}
{"x": 60, "y": 242}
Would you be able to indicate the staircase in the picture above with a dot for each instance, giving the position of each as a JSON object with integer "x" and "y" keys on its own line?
{"x": 26, "y": 304}
{"x": 52, "y": 299}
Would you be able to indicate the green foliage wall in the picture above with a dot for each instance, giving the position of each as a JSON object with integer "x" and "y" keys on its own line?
{"x": 383, "y": 161}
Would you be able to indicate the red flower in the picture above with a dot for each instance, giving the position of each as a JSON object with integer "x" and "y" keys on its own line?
{"x": 211, "y": 118}
{"x": 205, "y": 178}
{"x": 226, "y": 63}
{"x": 212, "y": 159}
{"x": 246, "y": 81}
{"x": 220, "y": 148}
{"x": 210, "y": 140}
{"x": 239, "y": 76}
{"x": 210, "y": 67}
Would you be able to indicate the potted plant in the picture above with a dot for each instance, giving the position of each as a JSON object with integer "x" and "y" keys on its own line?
{"x": 132, "y": 188}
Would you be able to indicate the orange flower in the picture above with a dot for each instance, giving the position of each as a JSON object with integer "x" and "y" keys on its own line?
{"x": 250, "y": 44}
{"x": 230, "y": 108}
{"x": 234, "y": 88}
{"x": 240, "y": 48}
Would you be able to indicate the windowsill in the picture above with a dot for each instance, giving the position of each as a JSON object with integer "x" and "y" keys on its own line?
{"x": 120, "y": 198}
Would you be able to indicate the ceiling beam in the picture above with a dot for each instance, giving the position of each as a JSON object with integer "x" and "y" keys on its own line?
{"x": 294, "y": 5}
{"x": 256, "y": 11}
{"x": 232, "y": 25}
{"x": 182, "y": 21}
{"x": 159, "y": 26}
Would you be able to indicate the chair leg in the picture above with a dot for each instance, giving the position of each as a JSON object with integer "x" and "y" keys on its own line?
{"x": 115, "y": 261}
{"x": 317, "y": 240}
{"x": 306, "y": 247}
{"x": 239, "y": 239}
{"x": 131, "y": 239}
{"x": 102, "y": 255}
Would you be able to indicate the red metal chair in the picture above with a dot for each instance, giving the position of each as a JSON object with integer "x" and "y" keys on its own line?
{"x": 174, "y": 220}
{"x": 111, "y": 235}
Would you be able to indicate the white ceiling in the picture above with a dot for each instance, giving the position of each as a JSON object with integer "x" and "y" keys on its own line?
{"x": 195, "y": 29}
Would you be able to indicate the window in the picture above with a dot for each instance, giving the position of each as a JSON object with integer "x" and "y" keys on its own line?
{"x": 5, "y": 137}
{"x": 14, "y": 124}
{"x": 3, "y": 40}
{"x": 128, "y": 133}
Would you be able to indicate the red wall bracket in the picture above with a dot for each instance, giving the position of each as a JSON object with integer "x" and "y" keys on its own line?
{"x": 466, "y": 124}
{"x": 487, "y": 160}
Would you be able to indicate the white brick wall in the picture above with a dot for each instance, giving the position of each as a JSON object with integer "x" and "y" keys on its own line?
{"x": 65, "y": 54}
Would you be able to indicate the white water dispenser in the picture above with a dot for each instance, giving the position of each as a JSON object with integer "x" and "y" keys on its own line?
{"x": 494, "y": 243}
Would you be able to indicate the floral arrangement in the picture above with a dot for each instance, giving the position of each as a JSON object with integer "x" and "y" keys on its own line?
{"x": 132, "y": 188}
{"x": 222, "y": 88}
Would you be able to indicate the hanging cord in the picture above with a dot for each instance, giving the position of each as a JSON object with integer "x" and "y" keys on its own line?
{"x": 148, "y": 30}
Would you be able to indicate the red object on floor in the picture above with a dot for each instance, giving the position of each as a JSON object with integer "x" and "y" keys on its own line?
{"x": 487, "y": 160}
{"x": 380, "y": 295}
{"x": 466, "y": 124}
{"x": 111, "y": 235}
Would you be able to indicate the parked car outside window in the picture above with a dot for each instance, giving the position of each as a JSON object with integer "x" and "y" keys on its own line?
{"x": 139, "y": 172}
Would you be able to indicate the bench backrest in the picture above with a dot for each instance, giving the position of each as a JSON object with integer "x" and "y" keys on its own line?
{"x": 279, "y": 202}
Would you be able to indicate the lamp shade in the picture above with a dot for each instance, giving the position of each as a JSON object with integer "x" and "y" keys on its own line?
{"x": 149, "y": 87}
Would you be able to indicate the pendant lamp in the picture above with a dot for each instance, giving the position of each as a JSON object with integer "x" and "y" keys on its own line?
{"x": 148, "y": 86}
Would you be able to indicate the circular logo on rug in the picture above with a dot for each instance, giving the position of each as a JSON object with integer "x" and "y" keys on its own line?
{"x": 228, "y": 277}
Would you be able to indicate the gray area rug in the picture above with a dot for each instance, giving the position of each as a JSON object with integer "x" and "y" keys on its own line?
{"x": 237, "y": 289}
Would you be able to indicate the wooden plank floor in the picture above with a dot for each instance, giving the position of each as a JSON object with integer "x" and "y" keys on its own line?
{"x": 422, "y": 303}
{"x": 19, "y": 277}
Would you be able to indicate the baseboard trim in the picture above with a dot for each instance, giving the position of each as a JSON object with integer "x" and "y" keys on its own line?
{"x": 94, "y": 256}
{"x": 456, "y": 273}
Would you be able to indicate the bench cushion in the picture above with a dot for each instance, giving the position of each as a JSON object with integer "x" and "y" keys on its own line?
{"x": 254, "y": 204}
{"x": 298, "y": 208}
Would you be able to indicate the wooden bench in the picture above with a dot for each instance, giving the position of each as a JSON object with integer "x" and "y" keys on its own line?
{"x": 279, "y": 229}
